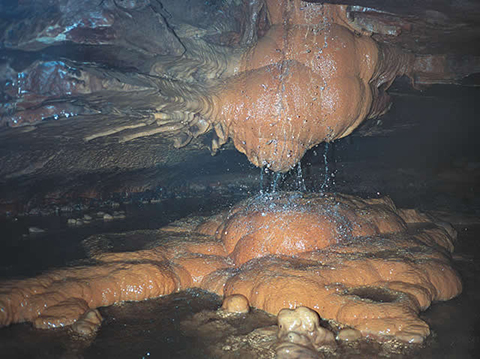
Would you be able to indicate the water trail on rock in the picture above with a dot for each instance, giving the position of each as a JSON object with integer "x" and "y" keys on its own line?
{"x": 300, "y": 182}
{"x": 326, "y": 177}
{"x": 277, "y": 181}
{"x": 329, "y": 169}
{"x": 262, "y": 184}
{"x": 274, "y": 183}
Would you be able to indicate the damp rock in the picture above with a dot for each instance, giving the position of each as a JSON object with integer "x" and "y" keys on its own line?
{"x": 208, "y": 324}
{"x": 88, "y": 323}
{"x": 410, "y": 337}
{"x": 349, "y": 335}
{"x": 107, "y": 217}
{"x": 66, "y": 209}
{"x": 35, "y": 230}
{"x": 119, "y": 215}
{"x": 236, "y": 303}
{"x": 317, "y": 119}
{"x": 259, "y": 343}
{"x": 371, "y": 278}
{"x": 301, "y": 326}
{"x": 75, "y": 222}
{"x": 62, "y": 314}
{"x": 289, "y": 350}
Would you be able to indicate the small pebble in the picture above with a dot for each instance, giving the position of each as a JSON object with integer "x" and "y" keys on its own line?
{"x": 410, "y": 338}
{"x": 66, "y": 209}
{"x": 33, "y": 230}
{"x": 349, "y": 335}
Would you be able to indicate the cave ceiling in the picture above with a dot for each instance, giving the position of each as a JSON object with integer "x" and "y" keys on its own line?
{"x": 94, "y": 86}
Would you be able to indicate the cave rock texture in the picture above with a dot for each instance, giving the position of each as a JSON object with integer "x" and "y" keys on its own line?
{"x": 309, "y": 79}
{"x": 276, "y": 76}
{"x": 356, "y": 262}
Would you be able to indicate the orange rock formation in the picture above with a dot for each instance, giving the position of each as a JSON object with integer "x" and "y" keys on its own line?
{"x": 236, "y": 303}
{"x": 304, "y": 322}
{"x": 353, "y": 261}
{"x": 309, "y": 79}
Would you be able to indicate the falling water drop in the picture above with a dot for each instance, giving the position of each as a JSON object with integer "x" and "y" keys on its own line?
{"x": 326, "y": 178}
{"x": 262, "y": 170}
{"x": 271, "y": 183}
{"x": 277, "y": 176}
{"x": 300, "y": 180}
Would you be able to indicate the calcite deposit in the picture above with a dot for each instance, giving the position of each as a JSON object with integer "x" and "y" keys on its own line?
{"x": 305, "y": 323}
{"x": 311, "y": 78}
{"x": 300, "y": 334}
{"x": 287, "y": 76}
{"x": 359, "y": 263}
{"x": 236, "y": 304}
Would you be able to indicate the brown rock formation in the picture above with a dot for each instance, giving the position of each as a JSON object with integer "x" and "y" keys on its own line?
{"x": 304, "y": 322}
{"x": 296, "y": 75}
{"x": 309, "y": 79}
{"x": 236, "y": 303}
{"x": 258, "y": 228}
{"x": 349, "y": 259}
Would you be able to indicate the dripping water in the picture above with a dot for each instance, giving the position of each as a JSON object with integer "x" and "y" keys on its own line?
{"x": 274, "y": 182}
{"x": 300, "y": 180}
{"x": 277, "y": 180}
{"x": 329, "y": 170}
{"x": 270, "y": 182}
{"x": 262, "y": 189}
{"x": 326, "y": 177}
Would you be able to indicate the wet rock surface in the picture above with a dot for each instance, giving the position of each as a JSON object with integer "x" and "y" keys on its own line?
{"x": 80, "y": 79}
{"x": 151, "y": 327}
{"x": 191, "y": 79}
{"x": 60, "y": 161}
{"x": 367, "y": 272}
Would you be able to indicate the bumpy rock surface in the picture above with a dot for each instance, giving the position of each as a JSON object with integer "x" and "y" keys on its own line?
{"x": 309, "y": 79}
{"x": 353, "y": 261}
{"x": 276, "y": 76}
{"x": 300, "y": 331}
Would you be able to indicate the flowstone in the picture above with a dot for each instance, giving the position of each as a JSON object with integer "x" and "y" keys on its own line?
{"x": 357, "y": 262}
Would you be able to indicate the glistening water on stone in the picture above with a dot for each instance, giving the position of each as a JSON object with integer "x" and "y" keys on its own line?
{"x": 351, "y": 260}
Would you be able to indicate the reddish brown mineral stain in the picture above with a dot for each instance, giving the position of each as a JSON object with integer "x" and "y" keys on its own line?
{"x": 351, "y": 260}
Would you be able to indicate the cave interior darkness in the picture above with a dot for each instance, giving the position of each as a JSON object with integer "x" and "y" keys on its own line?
{"x": 72, "y": 72}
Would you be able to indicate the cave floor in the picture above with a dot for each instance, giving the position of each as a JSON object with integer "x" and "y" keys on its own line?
{"x": 186, "y": 324}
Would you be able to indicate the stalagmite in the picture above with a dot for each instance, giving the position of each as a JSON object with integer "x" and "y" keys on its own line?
{"x": 353, "y": 261}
